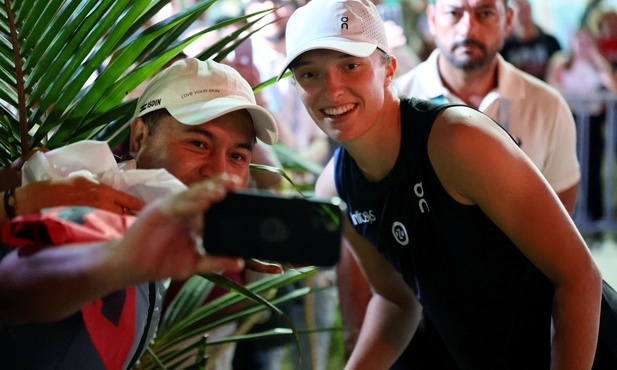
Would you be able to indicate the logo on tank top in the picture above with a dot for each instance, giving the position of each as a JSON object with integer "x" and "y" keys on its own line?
{"x": 422, "y": 203}
{"x": 365, "y": 217}
{"x": 400, "y": 233}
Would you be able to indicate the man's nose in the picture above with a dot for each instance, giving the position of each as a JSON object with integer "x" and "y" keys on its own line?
{"x": 467, "y": 24}
{"x": 214, "y": 165}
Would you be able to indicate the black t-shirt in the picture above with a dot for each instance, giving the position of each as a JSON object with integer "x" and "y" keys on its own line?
{"x": 531, "y": 56}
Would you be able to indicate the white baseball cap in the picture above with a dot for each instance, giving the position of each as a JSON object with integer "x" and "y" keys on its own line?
{"x": 195, "y": 92}
{"x": 352, "y": 27}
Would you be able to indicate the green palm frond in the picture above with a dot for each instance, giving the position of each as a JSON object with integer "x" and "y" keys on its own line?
{"x": 67, "y": 66}
{"x": 182, "y": 332}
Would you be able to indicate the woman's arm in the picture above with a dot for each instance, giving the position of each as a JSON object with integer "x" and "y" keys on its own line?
{"x": 478, "y": 163}
{"x": 393, "y": 313}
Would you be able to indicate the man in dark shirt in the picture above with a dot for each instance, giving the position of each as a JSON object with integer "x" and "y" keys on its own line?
{"x": 528, "y": 47}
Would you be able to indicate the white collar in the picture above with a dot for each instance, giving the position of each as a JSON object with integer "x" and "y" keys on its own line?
{"x": 510, "y": 85}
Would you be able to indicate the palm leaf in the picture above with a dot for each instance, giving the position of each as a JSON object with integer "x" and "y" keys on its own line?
{"x": 192, "y": 294}
{"x": 65, "y": 70}
{"x": 178, "y": 337}
{"x": 66, "y": 66}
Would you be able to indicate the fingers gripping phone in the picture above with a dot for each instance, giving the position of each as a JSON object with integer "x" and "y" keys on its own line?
{"x": 283, "y": 229}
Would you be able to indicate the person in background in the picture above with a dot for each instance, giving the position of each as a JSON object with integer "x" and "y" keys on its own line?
{"x": 267, "y": 52}
{"x": 529, "y": 48}
{"x": 584, "y": 73}
{"x": 419, "y": 39}
{"x": 393, "y": 14}
{"x": 532, "y": 111}
{"x": 606, "y": 24}
{"x": 447, "y": 216}
{"x": 197, "y": 120}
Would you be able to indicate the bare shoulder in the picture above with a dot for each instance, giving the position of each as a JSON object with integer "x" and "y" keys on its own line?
{"x": 461, "y": 122}
{"x": 465, "y": 146}
{"x": 325, "y": 187}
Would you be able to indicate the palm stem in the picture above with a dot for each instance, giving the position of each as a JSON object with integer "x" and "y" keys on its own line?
{"x": 19, "y": 75}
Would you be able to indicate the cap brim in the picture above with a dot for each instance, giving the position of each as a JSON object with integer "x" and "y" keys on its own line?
{"x": 198, "y": 113}
{"x": 347, "y": 46}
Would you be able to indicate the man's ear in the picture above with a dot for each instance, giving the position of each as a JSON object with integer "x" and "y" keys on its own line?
{"x": 509, "y": 20}
{"x": 430, "y": 17}
{"x": 139, "y": 136}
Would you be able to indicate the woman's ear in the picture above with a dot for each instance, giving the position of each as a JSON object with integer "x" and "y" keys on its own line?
{"x": 390, "y": 70}
{"x": 138, "y": 137}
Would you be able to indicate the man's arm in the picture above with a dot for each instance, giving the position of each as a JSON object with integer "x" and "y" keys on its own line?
{"x": 517, "y": 198}
{"x": 54, "y": 283}
{"x": 71, "y": 191}
{"x": 31, "y": 198}
{"x": 164, "y": 242}
{"x": 393, "y": 313}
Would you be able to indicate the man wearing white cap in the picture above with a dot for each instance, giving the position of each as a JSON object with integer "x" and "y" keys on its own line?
{"x": 446, "y": 215}
{"x": 196, "y": 100}
{"x": 199, "y": 121}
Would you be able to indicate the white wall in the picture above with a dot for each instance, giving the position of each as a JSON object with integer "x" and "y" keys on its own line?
{"x": 562, "y": 17}
{"x": 559, "y": 17}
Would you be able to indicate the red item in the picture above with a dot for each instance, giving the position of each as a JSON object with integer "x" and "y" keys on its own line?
{"x": 110, "y": 321}
{"x": 608, "y": 48}
{"x": 64, "y": 225}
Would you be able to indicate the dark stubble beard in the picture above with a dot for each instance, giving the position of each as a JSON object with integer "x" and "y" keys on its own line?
{"x": 471, "y": 64}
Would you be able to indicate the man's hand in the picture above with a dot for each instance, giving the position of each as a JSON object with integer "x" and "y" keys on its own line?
{"x": 263, "y": 266}
{"x": 165, "y": 241}
{"x": 73, "y": 191}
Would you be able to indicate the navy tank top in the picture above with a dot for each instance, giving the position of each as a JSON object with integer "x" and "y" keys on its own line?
{"x": 489, "y": 303}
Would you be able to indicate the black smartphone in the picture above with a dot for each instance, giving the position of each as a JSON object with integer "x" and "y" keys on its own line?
{"x": 294, "y": 230}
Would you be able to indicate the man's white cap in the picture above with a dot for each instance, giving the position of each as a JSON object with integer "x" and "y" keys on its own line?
{"x": 195, "y": 92}
{"x": 352, "y": 27}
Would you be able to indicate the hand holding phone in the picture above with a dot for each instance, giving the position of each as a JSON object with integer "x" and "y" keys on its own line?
{"x": 283, "y": 229}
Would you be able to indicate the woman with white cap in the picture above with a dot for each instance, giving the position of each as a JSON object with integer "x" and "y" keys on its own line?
{"x": 445, "y": 212}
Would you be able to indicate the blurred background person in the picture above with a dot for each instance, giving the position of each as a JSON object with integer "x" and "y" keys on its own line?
{"x": 582, "y": 73}
{"x": 607, "y": 35}
{"x": 267, "y": 53}
{"x": 403, "y": 42}
{"x": 528, "y": 47}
